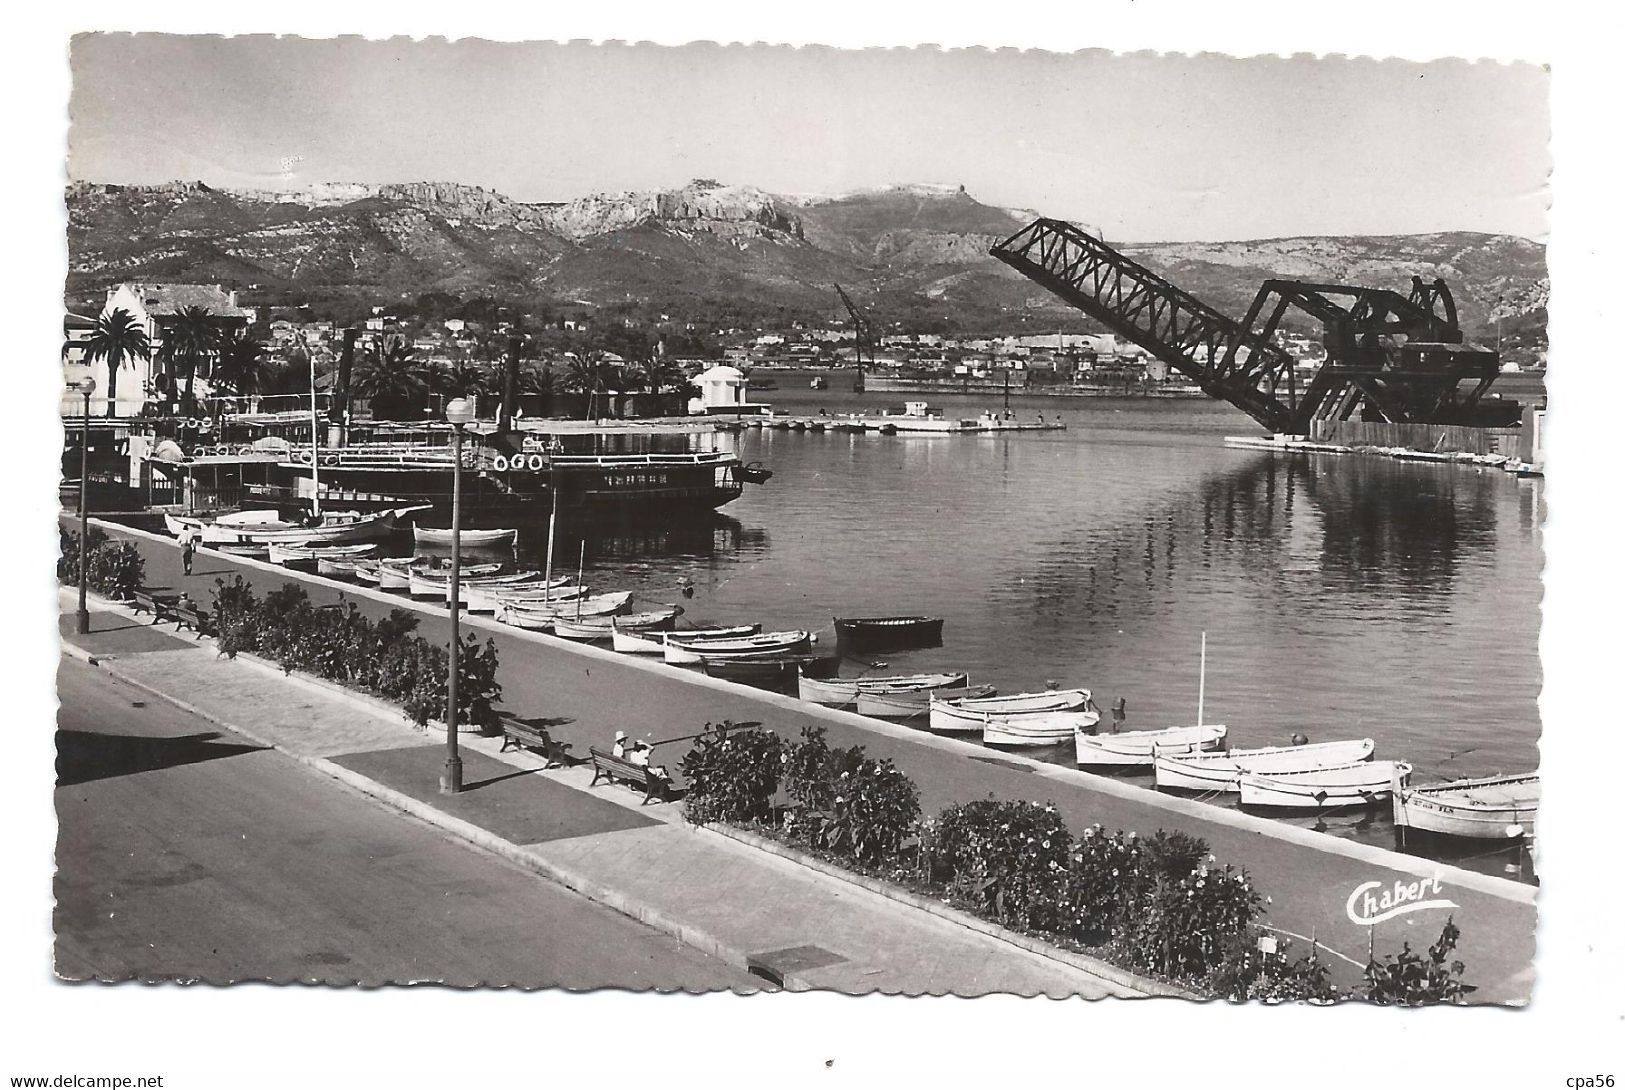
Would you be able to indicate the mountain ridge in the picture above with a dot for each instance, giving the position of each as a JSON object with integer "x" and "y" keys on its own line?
{"x": 915, "y": 253}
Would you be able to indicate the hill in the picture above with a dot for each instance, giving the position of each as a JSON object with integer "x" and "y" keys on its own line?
{"x": 915, "y": 255}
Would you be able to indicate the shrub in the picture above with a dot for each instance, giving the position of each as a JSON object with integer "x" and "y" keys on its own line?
{"x": 1007, "y": 858}
{"x": 114, "y": 568}
{"x": 1183, "y": 929}
{"x": 236, "y": 616}
{"x": 851, "y": 805}
{"x": 732, "y": 775}
{"x": 1105, "y": 879}
{"x": 1412, "y": 980}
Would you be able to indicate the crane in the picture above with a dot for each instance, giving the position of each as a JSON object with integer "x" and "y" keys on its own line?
{"x": 863, "y": 336}
{"x": 1390, "y": 357}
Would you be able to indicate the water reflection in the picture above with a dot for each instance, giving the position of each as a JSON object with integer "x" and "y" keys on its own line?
{"x": 1314, "y": 531}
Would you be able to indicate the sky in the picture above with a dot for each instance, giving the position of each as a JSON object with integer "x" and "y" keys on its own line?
{"x": 1143, "y": 146}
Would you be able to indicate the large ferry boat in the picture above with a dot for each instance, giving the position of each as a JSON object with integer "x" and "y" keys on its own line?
{"x": 269, "y": 461}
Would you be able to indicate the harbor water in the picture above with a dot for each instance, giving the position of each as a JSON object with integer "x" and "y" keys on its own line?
{"x": 1342, "y": 597}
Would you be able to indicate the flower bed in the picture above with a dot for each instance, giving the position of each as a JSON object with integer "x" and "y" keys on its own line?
{"x": 342, "y": 644}
{"x": 1161, "y": 905}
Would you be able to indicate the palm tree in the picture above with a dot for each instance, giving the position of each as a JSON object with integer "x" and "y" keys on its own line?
{"x": 192, "y": 337}
{"x": 460, "y": 378}
{"x": 118, "y": 339}
{"x": 586, "y": 374}
{"x": 389, "y": 375}
{"x": 244, "y": 367}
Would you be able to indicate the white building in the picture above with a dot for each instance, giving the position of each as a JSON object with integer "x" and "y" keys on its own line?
{"x": 153, "y": 307}
{"x": 722, "y": 391}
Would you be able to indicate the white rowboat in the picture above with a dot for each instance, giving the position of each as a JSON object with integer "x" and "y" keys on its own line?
{"x": 1490, "y": 808}
{"x": 1036, "y": 728}
{"x": 683, "y": 650}
{"x": 429, "y": 535}
{"x": 603, "y": 628}
{"x": 1358, "y": 783}
{"x": 970, "y": 715}
{"x": 1137, "y": 747}
{"x": 636, "y": 643}
{"x": 1222, "y": 771}
{"x": 310, "y": 554}
{"x": 423, "y": 584}
{"x": 914, "y": 703}
{"x": 843, "y": 692}
{"x": 522, "y": 614}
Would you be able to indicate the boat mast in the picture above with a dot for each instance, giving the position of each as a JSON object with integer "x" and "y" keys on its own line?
{"x": 315, "y": 446}
{"x": 581, "y": 574}
{"x": 552, "y": 526}
{"x": 1201, "y": 686}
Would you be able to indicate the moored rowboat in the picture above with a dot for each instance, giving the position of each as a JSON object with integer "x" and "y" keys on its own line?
{"x": 525, "y": 614}
{"x": 430, "y": 535}
{"x": 841, "y": 692}
{"x": 1222, "y": 771}
{"x": 426, "y": 584}
{"x": 1488, "y": 808}
{"x": 637, "y": 643}
{"x": 1137, "y": 747}
{"x": 603, "y": 628}
{"x": 880, "y": 632}
{"x": 681, "y": 650}
{"x": 969, "y": 715}
{"x": 288, "y": 555}
{"x": 1036, "y": 729}
{"x": 1358, "y": 783}
{"x": 773, "y": 670}
{"x": 914, "y": 703}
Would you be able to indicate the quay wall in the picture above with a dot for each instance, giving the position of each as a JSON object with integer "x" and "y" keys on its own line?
{"x": 588, "y": 693}
{"x": 1432, "y": 438}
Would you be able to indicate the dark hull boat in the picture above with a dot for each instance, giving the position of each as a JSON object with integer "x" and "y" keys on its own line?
{"x": 879, "y": 633}
{"x": 777, "y": 673}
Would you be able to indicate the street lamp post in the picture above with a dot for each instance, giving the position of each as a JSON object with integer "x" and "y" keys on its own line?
{"x": 87, "y": 388}
{"x": 459, "y": 413}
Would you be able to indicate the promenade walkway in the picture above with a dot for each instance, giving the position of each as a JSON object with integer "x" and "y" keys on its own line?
{"x": 1312, "y": 879}
{"x": 744, "y": 905}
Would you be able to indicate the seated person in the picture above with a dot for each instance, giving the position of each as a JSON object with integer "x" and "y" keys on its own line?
{"x": 619, "y": 748}
{"x": 639, "y": 755}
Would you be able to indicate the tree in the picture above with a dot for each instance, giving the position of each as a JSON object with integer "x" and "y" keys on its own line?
{"x": 118, "y": 339}
{"x": 390, "y": 377}
{"x": 244, "y": 367}
{"x": 191, "y": 338}
{"x": 587, "y": 374}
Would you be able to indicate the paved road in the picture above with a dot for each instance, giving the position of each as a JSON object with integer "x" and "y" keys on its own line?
{"x": 588, "y": 699}
{"x": 186, "y": 852}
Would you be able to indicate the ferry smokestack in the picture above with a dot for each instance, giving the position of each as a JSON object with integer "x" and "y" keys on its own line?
{"x": 510, "y": 386}
{"x": 338, "y": 405}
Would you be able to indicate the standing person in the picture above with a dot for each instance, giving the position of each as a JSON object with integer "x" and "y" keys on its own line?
{"x": 188, "y": 549}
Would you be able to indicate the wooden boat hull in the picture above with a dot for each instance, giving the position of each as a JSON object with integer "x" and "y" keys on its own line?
{"x": 253, "y": 552}
{"x": 1359, "y": 783}
{"x": 687, "y": 652}
{"x": 874, "y": 633}
{"x": 773, "y": 671}
{"x": 310, "y": 557}
{"x": 424, "y": 585}
{"x": 526, "y": 615}
{"x": 1037, "y": 729}
{"x": 968, "y": 716}
{"x": 587, "y": 631}
{"x": 473, "y": 539}
{"x": 1481, "y": 809}
{"x": 485, "y": 598}
{"x": 637, "y": 643}
{"x": 914, "y": 704}
{"x": 1222, "y": 771}
{"x": 336, "y": 530}
{"x": 1133, "y": 749}
{"x": 843, "y": 692}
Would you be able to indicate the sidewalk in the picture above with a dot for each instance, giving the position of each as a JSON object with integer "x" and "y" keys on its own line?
{"x": 750, "y": 907}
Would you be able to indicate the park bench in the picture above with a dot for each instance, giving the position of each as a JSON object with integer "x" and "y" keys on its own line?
{"x": 198, "y": 620}
{"x": 521, "y": 735}
{"x": 161, "y": 606}
{"x": 607, "y": 766}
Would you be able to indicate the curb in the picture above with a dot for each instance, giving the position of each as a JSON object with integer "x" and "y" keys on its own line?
{"x": 1102, "y": 970}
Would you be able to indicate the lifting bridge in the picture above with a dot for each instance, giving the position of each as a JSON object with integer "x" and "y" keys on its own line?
{"x": 1389, "y": 357}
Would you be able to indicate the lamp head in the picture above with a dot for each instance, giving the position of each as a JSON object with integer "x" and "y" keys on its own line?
{"x": 459, "y": 413}
{"x": 87, "y": 385}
